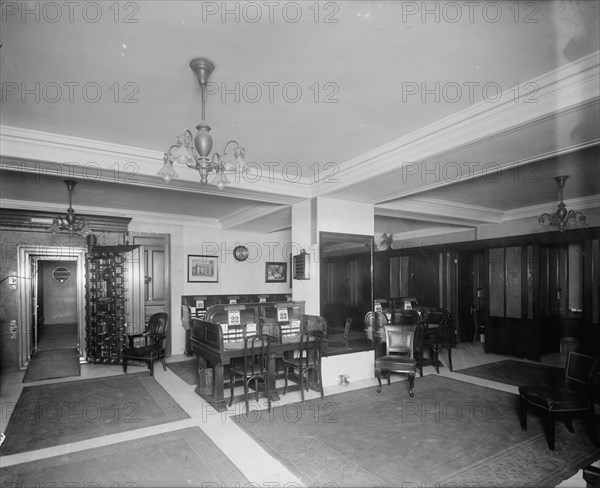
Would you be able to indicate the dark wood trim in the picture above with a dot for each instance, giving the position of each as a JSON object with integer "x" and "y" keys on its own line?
{"x": 41, "y": 221}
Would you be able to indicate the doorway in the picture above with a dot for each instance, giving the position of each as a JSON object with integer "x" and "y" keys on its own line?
{"x": 56, "y": 317}
{"x": 35, "y": 263}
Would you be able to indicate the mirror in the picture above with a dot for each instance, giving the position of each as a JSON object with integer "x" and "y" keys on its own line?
{"x": 346, "y": 287}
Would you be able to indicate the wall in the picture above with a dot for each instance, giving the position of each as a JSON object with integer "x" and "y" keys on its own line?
{"x": 233, "y": 277}
{"x": 10, "y": 240}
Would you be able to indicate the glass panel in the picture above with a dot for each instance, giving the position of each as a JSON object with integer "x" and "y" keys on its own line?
{"x": 530, "y": 267}
{"x": 497, "y": 282}
{"x": 158, "y": 275}
{"x": 513, "y": 282}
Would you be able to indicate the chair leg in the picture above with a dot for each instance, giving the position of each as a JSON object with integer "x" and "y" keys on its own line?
{"x": 246, "y": 395}
{"x": 551, "y": 433}
{"x": 256, "y": 389}
{"x": 523, "y": 413}
{"x": 411, "y": 383}
{"x": 593, "y": 429}
{"x": 151, "y": 367}
{"x": 450, "y": 358}
{"x": 378, "y": 376}
{"x": 320, "y": 379}
{"x": 286, "y": 368}
{"x": 301, "y": 375}
{"x": 268, "y": 391}
{"x": 164, "y": 363}
{"x": 231, "y": 385}
{"x": 124, "y": 365}
{"x": 569, "y": 425}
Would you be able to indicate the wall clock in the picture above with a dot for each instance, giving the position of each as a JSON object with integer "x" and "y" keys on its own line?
{"x": 240, "y": 253}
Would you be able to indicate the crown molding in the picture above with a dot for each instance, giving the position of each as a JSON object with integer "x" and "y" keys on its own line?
{"x": 581, "y": 203}
{"x": 235, "y": 219}
{"x": 430, "y": 231}
{"x": 96, "y": 212}
{"x": 559, "y": 91}
{"x": 121, "y": 164}
{"x": 433, "y": 210}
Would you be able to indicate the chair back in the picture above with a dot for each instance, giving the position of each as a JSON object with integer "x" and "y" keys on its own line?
{"x": 313, "y": 322}
{"x": 435, "y": 315}
{"x": 158, "y": 323}
{"x": 257, "y": 349}
{"x": 310, "y": 348}
{"x": 347, "y": 328}
{"x": 405, "y": 317}
{"x": 420, "y": 337}
{"x": 445, "y": 332}
{"x": 579, "y": 371}
{"x": 375, "y": 323}
{"x": 400, "y": 339}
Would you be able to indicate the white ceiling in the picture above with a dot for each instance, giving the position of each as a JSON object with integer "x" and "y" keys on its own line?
{"x": 340, "y": 104}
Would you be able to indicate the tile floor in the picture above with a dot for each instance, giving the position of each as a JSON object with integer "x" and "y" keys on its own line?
{"x": 249, "y": 457}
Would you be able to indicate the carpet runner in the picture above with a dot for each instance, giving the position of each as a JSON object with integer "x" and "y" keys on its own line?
{"x": 60, "y": 413}
{"x": 451, "y": 433}
{"x": 185, "y": 457}
{"x": 517, "y": 373}
{"x": 52, "y": 363}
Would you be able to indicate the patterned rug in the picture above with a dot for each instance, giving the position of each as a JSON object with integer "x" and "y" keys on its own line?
{"x": 70, "y": 411}
{"x": 517, "y": 373}
{"x": 451, "y": 433}
{"x": 185, "y": 457}
{"x": 52, "y": 363}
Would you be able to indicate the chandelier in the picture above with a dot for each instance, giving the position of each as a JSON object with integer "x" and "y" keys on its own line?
{"x": 562, "y": 218}
{"x": 70, "y": 222}
{"x": 194, "y": 151}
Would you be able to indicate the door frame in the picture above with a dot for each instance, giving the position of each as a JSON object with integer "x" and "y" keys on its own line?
{"x": 27, "y": 254}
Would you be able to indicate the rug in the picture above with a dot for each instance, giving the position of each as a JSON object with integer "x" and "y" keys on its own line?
{"x": 517, "y": 373}
{"x": 186, "y": 370}
{"x": 52, "y": 363}
{"x": 451, "y": 433}
{"x": 60, "y": 413}
{"x": 185, "y": 457}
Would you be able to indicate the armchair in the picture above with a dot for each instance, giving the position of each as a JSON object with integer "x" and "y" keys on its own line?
{"x": 153, "y": 347}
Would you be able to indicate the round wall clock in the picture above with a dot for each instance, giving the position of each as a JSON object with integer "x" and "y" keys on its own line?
{"x": 240, "y": 253}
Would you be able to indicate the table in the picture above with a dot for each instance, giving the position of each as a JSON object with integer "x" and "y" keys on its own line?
{"x": 213, "y": 355}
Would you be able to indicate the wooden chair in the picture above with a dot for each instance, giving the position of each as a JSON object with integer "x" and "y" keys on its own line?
{"x": 254, "y": 367}
{"x": 443, "y": 338}
{"x": 374, "y": 322}
{"x": 337, "y": 338}
{"x": 306, "y": 360}
{"x": 405, "y": 317}
{"x": 153, "y": 346}
{"x": 574, "y": 397}
{"x": 400, "y": 353}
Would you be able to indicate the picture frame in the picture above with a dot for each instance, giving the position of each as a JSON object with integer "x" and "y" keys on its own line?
{"x": 275, "y": 272}
{"x": 203, "y": 269}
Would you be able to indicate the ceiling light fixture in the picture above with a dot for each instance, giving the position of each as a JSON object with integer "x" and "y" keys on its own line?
{"x": 70, "y": 222}
{"x": 562, "y": 218}
{"x": 194, "y": 151}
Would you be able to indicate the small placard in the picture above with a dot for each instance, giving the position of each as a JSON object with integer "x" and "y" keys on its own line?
{"x": 233, "y": 301}
{"x": 377, "y": 307}
{"x": 262, "y": 300}
{"x": 199, "y": 303}
{"x": 233, "y": 317}
{"x": 407, "y": 305}
{"x": 282, "y": 315}
{"x": 251, "y": 329}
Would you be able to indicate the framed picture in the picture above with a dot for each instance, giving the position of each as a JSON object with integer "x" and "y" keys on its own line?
{"x": 276, "y": 272}
{"x": 203, "y": 269}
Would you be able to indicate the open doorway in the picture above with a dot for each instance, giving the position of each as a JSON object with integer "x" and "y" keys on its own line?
{"x": 40, "y": 266}
{"x": 56, "y": 293}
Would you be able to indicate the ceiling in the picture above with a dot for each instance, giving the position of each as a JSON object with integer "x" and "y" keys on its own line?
{"x": 437, "y": 114}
